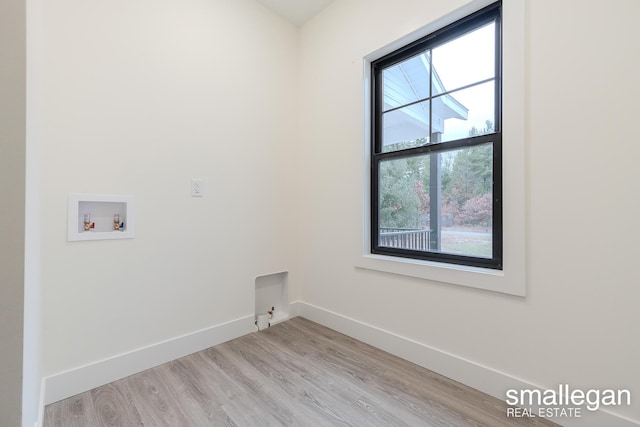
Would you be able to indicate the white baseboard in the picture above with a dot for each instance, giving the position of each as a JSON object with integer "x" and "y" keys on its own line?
{"x": 78, "y": 380}
{"x": 40, "y": 420}
{"x": 483, "y": 378}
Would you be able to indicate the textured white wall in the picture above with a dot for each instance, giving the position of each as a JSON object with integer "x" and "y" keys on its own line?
{"x": 577, "y": 324}
{"x": 138, "y": 98}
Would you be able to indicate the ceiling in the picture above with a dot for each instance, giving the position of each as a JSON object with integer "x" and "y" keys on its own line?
{"x": 296, "y": 11}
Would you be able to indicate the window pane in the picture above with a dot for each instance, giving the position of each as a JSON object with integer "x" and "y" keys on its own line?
{"x": 474, "y": 109}
{"x": 463, "y": 61}
{"x": 406, "y": 82}
{"x": 405, "y": 127}
{"x": 455, "y": 216}
{"x": 403, "y": 195}
{"x": 467, "y": 201}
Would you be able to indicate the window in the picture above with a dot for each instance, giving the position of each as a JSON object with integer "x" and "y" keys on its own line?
{"x": 436, "y": 149}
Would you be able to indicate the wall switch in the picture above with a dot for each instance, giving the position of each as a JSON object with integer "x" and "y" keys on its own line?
{"x": 197, "y": 188}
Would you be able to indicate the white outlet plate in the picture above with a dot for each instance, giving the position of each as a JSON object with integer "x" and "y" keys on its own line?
{"x": 197, "y": 187}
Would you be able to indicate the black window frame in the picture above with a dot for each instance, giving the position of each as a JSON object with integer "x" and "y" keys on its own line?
{"x": 488, "y": 14}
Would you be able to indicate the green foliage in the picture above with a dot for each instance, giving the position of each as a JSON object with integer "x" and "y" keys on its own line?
{"x": 466, "y": 180}
{"x": 471, "y": 176}
{"x": 405, "y": 144}
{"x": 399, "y": 201}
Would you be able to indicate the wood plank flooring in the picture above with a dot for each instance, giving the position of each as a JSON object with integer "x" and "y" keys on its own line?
{"x": 296, "y": 373}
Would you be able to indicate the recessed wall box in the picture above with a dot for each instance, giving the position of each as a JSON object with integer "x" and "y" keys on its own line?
{"x": 94, "y": 216}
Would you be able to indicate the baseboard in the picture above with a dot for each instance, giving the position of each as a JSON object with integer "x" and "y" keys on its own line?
{"x": 78, "y": 380}
{"x": 483, "y": 378}
{"x": 40, "y": 420}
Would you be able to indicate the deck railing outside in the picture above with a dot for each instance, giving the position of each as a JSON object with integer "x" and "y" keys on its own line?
{"x": 405, "y": 238}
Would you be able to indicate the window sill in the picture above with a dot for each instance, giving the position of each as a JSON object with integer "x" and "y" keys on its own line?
{"x": 473, "y": 277}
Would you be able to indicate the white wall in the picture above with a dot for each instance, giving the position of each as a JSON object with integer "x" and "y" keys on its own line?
{"x": 578, "y": 323}
{"x": 12, "y": 206}
{"x": 32, "y": 392}
{"x": 20, "y": 358}
{"x": 138, "y": 98}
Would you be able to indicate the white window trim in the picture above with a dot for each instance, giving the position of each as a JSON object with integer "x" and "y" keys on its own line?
{"x": 512, "y": 279}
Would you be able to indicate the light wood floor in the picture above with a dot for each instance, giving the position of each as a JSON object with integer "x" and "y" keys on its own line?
{"x": 294, "y": 373}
